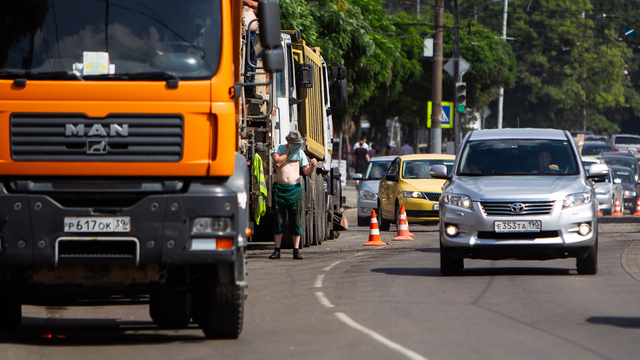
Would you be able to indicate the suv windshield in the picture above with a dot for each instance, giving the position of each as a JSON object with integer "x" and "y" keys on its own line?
{"x": 518, "y": 157}
{"x": 50, "y": 39}
{"x": 419, "y": 169}
{"x": 377, "y": 169}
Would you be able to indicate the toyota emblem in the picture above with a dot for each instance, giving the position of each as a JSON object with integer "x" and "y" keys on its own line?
{"x": 517, "y": 208}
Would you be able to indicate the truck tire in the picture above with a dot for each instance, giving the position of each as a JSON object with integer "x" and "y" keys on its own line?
{"x": 222, "y": 311}
{"x": 11, "y": 313}
{"x": 171, "y": 310}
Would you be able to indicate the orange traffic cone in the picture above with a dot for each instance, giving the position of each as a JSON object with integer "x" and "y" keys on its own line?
{"x": 374, "y": 233}
{"x": 600, "y": 213}
{"x": 403, "y": 227}
{"x": 617, "y": 211}
{"x": 637, "y": 207}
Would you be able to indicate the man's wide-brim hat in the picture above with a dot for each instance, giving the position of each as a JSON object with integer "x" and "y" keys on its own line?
{"x": 294, "y": 137}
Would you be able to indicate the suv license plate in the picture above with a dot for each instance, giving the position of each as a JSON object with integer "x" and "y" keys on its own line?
{"x": 517, "y": 226}
{"x": 97, "y": 224}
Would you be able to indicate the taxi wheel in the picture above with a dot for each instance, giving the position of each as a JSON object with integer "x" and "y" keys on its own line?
{"x": 383, "y": 225}
{"x": 397, "y": 214}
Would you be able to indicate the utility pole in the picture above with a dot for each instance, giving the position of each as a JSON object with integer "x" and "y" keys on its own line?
{"x": 457, "y": 78}
{"x": 436, "y": 83}
{"x": 504, "y": 37}
{"x": 418, "y": 8}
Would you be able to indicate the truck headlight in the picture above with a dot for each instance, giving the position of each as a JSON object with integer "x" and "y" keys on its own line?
{"x": 212, "y": 225}
{"x": 413, "y": 194}
{"x": 629, "y": 193}
{"x": 458, "y": 200}
{"x": 368, "y": 195}
{"x": 572, "y": 200}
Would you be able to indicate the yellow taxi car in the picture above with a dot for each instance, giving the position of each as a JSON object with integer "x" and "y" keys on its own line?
{"x": 407, "y": 182}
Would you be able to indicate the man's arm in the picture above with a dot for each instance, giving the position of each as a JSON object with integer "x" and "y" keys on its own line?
{"x": 250, "y": 3}
{"x": 281, "y": 159}
{"x": 308, "y": 169}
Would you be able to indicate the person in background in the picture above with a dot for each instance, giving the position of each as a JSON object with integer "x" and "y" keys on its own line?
{"x": 372, "y": 151}
{"x": 361, "y": 156}
{"x": 390, "y": 150}
{"x": 289, "y": 159}
{"x": 250, "y": 12}
{"x": 406, "y": 149}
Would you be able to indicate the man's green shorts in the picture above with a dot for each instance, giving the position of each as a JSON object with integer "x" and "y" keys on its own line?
{"x": 288, "y": 201}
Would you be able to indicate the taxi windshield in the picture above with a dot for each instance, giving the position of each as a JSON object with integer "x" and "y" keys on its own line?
{"x": 419, "y": 169}
{"x": 110, "y": 39}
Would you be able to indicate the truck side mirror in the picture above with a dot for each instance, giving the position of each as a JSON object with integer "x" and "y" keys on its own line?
{"x": 305, "y": 77}
{"x": 269, "y": 23}
{"x": 273, "y": 60}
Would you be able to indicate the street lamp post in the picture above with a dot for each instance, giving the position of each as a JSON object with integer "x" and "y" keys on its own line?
{"x": 504, "y": 37}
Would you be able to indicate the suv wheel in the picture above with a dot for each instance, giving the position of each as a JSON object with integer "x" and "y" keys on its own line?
{"x": 588, "y": 265}
{"x": 449, "y": 266}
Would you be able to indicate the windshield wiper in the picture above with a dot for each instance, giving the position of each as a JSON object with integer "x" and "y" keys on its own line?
{"x": 46, "y": 75}
{"x": 172, "y": 79}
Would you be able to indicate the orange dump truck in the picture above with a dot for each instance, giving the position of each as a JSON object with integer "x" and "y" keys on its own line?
{"x": 120, "y": 172}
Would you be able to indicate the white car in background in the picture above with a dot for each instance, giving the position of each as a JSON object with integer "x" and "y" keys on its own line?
{"x": 368, "y": 190}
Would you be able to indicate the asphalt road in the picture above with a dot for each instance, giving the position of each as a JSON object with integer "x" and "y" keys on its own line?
{"x": 347, "y": 301}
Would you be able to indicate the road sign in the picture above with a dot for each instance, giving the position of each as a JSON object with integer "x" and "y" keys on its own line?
{"x": 428, "y": 48}
{"x": 464, "y": 67}
{"x": 629, "y": 32}
{"x": 446, "y": 118}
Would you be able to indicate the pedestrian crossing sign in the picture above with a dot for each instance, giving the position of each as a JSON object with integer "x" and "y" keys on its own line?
{"x": 446, "y": 121}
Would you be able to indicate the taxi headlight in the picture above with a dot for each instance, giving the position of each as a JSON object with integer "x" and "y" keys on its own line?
{"x": 368, "y": 195}
{"x": 413, "y": 194}
{"x": 629, "y": 193}
{"x": 458, "y": 200}
{"x": 572, "y": 200}
{"x": 212, "y": 225}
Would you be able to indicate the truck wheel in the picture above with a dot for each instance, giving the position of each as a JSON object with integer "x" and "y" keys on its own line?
{"x": 11, "y": 313}
{"x": 222, "y": 311}
{"x": 170, "y": 311}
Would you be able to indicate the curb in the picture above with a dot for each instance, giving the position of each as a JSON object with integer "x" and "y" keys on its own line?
{"x": 629, "y": 260}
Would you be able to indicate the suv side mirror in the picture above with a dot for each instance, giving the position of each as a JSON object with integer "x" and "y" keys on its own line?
{"x": 391, "y": 177}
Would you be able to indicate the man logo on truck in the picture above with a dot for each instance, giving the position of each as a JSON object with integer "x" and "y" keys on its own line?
{"x": 97, "y": 130}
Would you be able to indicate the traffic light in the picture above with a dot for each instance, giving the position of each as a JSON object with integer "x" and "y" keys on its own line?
{"x": 461, "y": 97}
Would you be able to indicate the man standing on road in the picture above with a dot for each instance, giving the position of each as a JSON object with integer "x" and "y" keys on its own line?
{"x": 361, "y": 154}
{"x": 289, "y": 159}
{"x": 406, "y": 149}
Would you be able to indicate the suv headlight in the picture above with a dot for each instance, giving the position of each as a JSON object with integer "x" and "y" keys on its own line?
{"x": 458, "y": 200}
{"x": 413, "y": 194}
{"x": 572, "y": 200}
{"x": 212, "y": 225}
{"x": 629, "y": 193}
{"x": 367, "y": 195}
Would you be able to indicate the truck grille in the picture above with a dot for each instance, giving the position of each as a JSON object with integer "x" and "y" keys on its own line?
{"x": 510, "y": 208}
{"x": 97, "y": 249}
{"x": 115, "y": 138}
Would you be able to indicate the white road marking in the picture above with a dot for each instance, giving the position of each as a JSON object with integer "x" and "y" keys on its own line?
{"x": 318, "y": 282}
{"x": 388, "y": 343}
{"x": 323, "y": 300}
{"x": 332, "y": 265}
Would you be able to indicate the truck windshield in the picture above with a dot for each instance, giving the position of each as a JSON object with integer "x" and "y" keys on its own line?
{"x": 110, "y": 39}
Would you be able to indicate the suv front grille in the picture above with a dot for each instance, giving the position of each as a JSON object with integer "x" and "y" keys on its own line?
{"x": 509, "y": 208}
{"x": 116, "y": 138}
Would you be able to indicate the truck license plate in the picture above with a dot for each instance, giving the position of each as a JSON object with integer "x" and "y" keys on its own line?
{"x": 97, "y": 224}
{"x": 517, "y": 226}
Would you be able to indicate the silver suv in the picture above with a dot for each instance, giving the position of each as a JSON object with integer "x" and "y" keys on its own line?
{"x": 519, "y": 194}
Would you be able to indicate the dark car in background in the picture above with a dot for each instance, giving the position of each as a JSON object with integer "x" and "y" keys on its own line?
{"x": 598, "y": 138}
{"x": 594, "y": 148}
{"x": 626, "y": 143}
{"x": 624, "y": 160}
{"x": 630, "y": 194}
